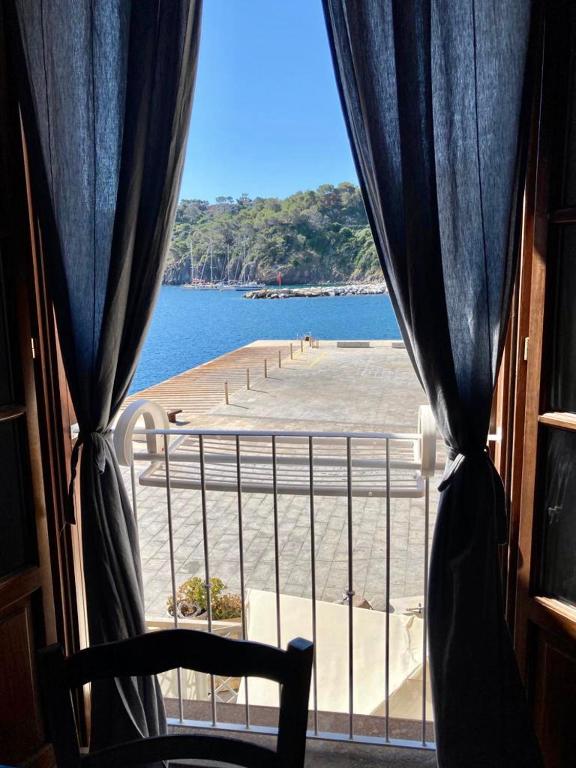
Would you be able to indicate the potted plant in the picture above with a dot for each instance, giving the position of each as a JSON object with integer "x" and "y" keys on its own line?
{"x": 192, "y": 608}
{"x": 191, "y": 601}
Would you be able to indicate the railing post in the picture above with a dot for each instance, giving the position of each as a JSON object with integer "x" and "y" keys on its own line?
{"x": 172, "y": 565}
{"x": 424, "y": 607}
{"x": 313, "y": 578}
{"x": 133, "y": 485}
{"x": 207, "y": 581}
{"x": 276, "y": 543}
{"x": 241, "y": 551}
{"x": 388, "y": 552}
{"x": 350, "y": 590}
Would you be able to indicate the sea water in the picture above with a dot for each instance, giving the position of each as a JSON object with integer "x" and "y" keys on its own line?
{"x": 190, "y": 327}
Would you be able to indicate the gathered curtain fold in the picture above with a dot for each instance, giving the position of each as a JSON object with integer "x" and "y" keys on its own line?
{"x": 106, "y": 96}
{"x": 433, "y": 93}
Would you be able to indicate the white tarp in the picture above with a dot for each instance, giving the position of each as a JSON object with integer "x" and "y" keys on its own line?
{"x": 369, "y": 634}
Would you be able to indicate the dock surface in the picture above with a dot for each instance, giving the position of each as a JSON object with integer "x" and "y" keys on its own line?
{"x": 320, "y": 387}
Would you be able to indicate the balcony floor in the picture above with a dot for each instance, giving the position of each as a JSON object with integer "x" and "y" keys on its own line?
{"x": 333, "y": 755}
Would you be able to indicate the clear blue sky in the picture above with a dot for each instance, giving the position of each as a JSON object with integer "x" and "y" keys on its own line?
{"x": 266, "y": 118}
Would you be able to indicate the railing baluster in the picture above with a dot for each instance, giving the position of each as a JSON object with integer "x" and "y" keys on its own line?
{"x": 172, "y": 566}
{"x": 387, "y": 659}
{"x": 241, "y": 551}
{"x": 133, "y": 485}
{"x": 208, "y": 585}
{"x": 313, "y": 578}
{"x": 276, "y": 542}
{"x": 350, "y": 592}
{"x": 354, "y": 485}
{"x": 425, "y": 606}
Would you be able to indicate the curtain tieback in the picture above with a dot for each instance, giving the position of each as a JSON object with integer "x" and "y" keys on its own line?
{"x": 457, "y": 457}
{"x": 499, "y": 495}
{"x": 453, "y": 453}
{"x": 97, "y": 438}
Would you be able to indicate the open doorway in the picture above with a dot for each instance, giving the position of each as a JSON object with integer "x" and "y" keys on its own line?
{"x": 288, "y": 488}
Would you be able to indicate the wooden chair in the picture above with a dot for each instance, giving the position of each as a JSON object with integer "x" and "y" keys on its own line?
{"x": 157, "y": 652}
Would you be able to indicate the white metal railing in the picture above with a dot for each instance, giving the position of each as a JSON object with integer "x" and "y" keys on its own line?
{"x": 380, "y": 465}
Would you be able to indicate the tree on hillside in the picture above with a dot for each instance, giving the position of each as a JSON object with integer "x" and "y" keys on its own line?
{"x": 317, "y": 235}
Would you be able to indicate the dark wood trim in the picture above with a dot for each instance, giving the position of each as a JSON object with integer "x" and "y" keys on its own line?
{"x": 560, "y": 420}
{"x": 527, "y": 425}
{"x": 47, "y": 404}
{"x": 44, "y": 758}
{"x": 516, "y": 381}
{"x": 12, "y": 590}
{"x": 56, "y": 415}
{"x": 553, "y": 616}
{"x": 501, "y": 404}
{"x": 53, "y": 415}
{"x": 512, "y": 379}
{"x": 11, "y": 412}
{"x": 563, "y": 216}
{"x": 536, "y": 614}
{"x": 37, "y": 458}
{"x": 21, "y": 255}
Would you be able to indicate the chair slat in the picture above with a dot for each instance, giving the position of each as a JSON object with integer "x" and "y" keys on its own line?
{"x": 160, "y": 651}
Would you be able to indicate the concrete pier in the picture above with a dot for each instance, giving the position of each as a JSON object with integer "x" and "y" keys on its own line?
{"x": 346, "y": 385}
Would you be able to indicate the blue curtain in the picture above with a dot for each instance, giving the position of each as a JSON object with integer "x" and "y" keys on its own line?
{"x": 106, "y": 94}
{"x": 433, "y": 94}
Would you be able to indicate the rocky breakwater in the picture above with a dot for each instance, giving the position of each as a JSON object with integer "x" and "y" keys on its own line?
{"x": 355, "y": 289}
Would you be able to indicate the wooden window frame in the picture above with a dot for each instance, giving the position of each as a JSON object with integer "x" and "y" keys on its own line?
{"x": 519, "y": 404}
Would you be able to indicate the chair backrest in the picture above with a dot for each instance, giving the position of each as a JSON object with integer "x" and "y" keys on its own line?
{"x": 157, "y": 652}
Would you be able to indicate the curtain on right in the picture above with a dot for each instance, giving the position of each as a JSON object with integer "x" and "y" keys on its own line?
{"x": 433, "y": 93}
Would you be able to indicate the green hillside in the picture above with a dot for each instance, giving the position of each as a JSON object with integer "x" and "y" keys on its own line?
{"x": 315, "y": 236}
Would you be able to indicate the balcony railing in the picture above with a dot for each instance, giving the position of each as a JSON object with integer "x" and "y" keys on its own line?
{"x": 370, "y": 665}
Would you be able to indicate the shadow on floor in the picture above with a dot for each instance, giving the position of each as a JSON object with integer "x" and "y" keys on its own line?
{"x": 334, "y": 755}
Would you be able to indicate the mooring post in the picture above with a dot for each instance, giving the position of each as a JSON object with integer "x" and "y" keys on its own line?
{"x": 247, "y": 378}
{"x": 301, "y": 345}
{"x": 265, "y": 368}
{"x": 291, "y": 352}
{"x": 279, "y": 358}
{"x": 226, "y": 392}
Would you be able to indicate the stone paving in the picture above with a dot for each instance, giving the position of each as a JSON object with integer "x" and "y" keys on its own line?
{"x": 328, "y": 388}
{"x": 331, "y": 566}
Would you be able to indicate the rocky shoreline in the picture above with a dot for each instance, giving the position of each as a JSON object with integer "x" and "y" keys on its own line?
{"x": 354, "y": 289}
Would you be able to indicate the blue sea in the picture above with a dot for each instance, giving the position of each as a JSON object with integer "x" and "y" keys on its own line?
{"x": 192, "y": 327}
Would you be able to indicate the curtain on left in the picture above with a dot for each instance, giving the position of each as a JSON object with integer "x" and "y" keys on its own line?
{"x": 106, "y": 92}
